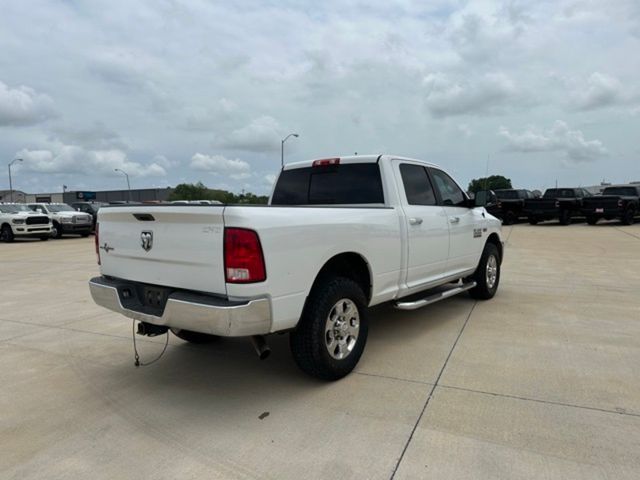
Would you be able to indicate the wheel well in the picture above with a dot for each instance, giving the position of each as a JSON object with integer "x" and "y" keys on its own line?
{"x": 350, "y": 265}
{"x": 495, "y": 239}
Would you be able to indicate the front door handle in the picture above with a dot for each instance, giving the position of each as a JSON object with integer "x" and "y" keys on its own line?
{"x": 415, "y": 221}
{"x": 454, "y": 219}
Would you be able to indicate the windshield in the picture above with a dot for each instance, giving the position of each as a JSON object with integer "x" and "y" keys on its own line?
{"x": 559, "y": 193}
{"x": 620, "y": 191}
{"x": 60, "y": 208}
{"x": 14, "y": 208}
{"x": 507, "y": 194}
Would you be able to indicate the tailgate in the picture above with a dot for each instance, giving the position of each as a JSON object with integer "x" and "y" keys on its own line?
{"x": 179, "y": 246}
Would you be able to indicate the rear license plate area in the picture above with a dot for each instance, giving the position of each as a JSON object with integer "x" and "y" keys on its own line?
{"x": 154, "y": 297}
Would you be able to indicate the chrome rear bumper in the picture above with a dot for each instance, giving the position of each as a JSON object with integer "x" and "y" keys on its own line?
{"x": 188, "y": 310}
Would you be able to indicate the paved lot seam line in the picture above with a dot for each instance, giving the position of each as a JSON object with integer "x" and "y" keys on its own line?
{"x": 393, "y": 378}
{"x": 548, "y": 402}
{"x": 627, "y": 233}
{"x": 426, "y": 403}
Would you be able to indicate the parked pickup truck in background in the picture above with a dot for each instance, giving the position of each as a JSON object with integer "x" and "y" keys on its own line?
{"x": 619, "y": 201}
{"x": 339, "y": 235}
{"x": 560, "y": 204}
{"x": 64, "y": 219}
{"x": 510, "y": 205}
{"x": 18, "y": 220}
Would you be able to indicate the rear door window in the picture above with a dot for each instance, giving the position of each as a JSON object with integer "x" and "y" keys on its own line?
{"x": 417, "y": 185}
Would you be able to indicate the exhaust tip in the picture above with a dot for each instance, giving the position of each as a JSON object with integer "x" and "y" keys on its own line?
{"x": 260, "y": 346}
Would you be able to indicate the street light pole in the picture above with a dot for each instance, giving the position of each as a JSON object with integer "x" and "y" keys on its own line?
{"x": 128, "y": 184}
{"x": 10, "y": 182}
{"x": 282, "y": 147}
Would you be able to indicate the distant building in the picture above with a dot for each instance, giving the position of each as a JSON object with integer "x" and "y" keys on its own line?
{"x": 137, "y": 195}
{"x": 18, "y": 196}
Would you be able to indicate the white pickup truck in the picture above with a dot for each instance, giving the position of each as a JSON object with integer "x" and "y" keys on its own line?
{"x": 339, "y": 235}
{"x": 18, "y": 220}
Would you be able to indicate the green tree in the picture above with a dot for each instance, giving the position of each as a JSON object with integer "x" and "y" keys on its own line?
{"x": 199, "y": 191}
{"x": 494, "y": 182}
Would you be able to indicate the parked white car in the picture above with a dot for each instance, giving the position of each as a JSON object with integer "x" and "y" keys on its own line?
{"x": 65, "y": 219}
{"x": 339, "y": 235}
{"x": 18, "y": 220}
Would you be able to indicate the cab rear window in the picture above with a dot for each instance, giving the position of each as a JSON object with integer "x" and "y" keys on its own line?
{"x": 347, "y": 184}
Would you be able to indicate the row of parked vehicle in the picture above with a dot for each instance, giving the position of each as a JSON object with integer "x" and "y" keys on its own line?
{"x": 47, "y": 220}
{"x": 566, "y": 204}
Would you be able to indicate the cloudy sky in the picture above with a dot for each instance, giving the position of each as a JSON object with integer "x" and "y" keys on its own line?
{"x": 204, "y": 90}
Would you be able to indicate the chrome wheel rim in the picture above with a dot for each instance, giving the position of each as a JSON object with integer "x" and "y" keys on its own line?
{"x": 492, "y": 271}
{"x": 342, "y": 328}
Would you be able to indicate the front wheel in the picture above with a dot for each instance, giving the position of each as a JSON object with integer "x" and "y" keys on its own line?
{"x": 487, "y": 275}
{"x": 6, "y": 234}
{"x": 56, "y": 230}
{"x": 332, "y": 331}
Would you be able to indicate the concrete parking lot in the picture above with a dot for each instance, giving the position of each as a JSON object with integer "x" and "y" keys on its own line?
{"x": 541, "y": 382}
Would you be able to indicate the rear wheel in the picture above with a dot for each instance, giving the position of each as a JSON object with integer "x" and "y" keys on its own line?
{"x": 6, "y": 234}
{"x": 332, "y": 331}
{"x": 629, "y": 216}
{"x": 510, "y": 218}
{"x": 193, "y": 337}
{"x": 487, "y": 275}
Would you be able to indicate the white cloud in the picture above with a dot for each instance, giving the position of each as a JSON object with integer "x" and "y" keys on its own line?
{"x": 262, "y": 134}
{"x": 601, "y": 90}
{"x": 217, "y": 164}
{"x": 559, "y": 138}
{"x": 76, "y": 160}
{"x": 486, "y": 94}
{"x": 23, "y": 106}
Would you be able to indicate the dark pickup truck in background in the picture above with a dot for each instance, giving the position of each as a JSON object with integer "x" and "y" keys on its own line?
{"x": 509, "y": 205}
{"x": 560, "y": 204}
{"x": 619, "y": 201}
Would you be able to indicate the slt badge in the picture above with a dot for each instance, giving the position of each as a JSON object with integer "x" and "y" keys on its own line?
{"x": 146, "y": 240}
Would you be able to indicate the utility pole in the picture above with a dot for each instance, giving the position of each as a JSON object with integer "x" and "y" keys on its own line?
{"x": 128, "y": 184}
{"x": 10, "y": 182}
{"x": 282, "y": 147}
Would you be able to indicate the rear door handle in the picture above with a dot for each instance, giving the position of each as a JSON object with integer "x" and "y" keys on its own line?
{"x": 415, "y": 221}
{"x": 454, "y": 219}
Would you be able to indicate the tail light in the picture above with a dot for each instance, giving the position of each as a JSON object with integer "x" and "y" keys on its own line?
{"x": 325, "y": 162}
{"x": 243, "y": 259}
{"x": 96, "y": 240}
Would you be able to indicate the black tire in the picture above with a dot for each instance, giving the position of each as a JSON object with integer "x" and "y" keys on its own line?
{"x": 193, "y": 337}
{"x": 533, "y": 220}
{"x": 629, "y": 216}
{"x": 565, "y": 217}
{"x": 44, "y": 239}
{"x": 484, "y": 290}
{"x": 592, "y": 220}
{"x": 6, "y": 234}
{"x": 56, "y": 231}
{"x": 310, "y": 343}
{"x": 510, "y": 218}
{"x": 84, "y": 235}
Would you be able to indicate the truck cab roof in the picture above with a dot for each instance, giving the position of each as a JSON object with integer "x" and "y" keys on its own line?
{"x": 351, "y": 159}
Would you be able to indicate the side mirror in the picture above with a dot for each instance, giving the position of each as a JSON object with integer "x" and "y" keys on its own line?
{"x": 485, "y": 198}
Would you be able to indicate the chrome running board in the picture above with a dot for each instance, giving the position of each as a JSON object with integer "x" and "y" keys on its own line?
{"x": 436, "y": 297}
